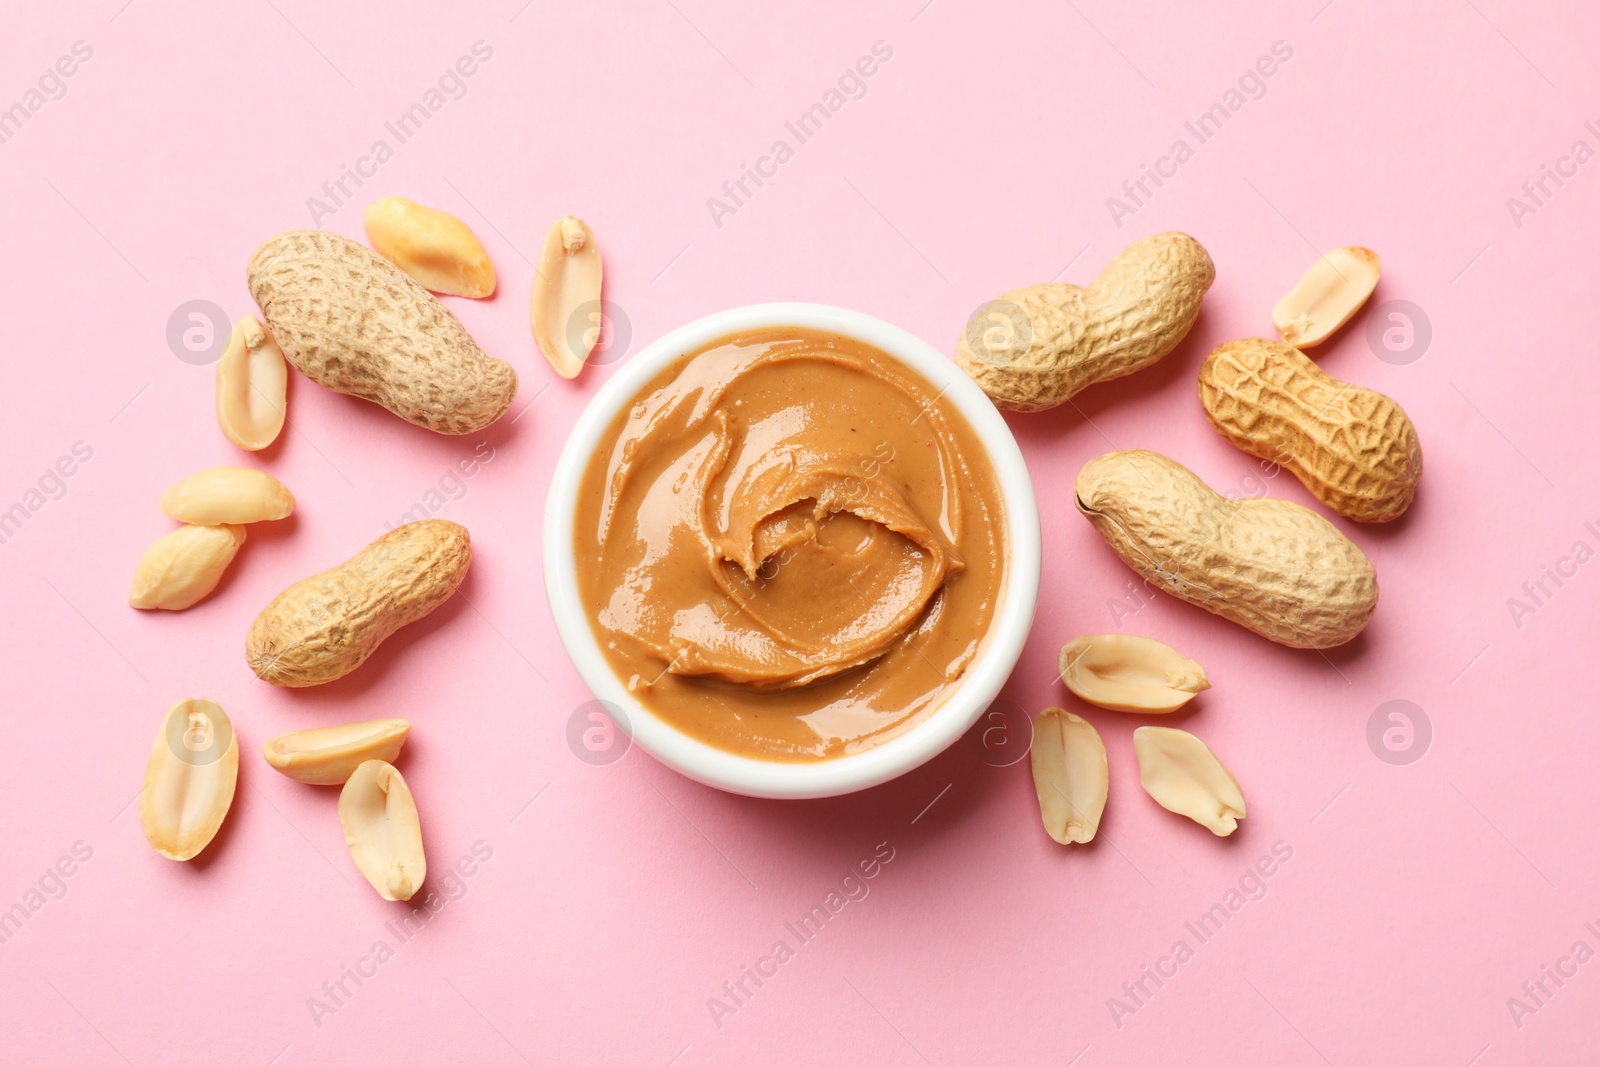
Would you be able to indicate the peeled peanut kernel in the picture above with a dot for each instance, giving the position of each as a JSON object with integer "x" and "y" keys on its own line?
{"x": 567, "y": 286}
{"x": 382, "y": 830}
{"x": 1069, "y": 774}
{"x": 329, "y": 755}
{"x": 180, "y": 569}
{"x": 1122, "y": 672}
{"x": 252, "y": 386}
{"x": 434, "y": 247}
{"x": 219, "y": 495}
{"x": 1183, "y": 776}
{"x": 190, "y": 779}
{"x": 1332, "y": 290}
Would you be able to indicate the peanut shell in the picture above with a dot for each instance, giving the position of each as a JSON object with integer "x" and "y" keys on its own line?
{"x": 353, "y": 322}
{"x": 1353, "y": 448}
{"x": 1271, "y": 566}
{"x": 1034, "y": 348}
{"x": 325, "y": 626}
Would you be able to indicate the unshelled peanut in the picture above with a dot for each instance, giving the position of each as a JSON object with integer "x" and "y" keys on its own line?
{"x": 326, "y": 626}
{"x": 353, "y": 322}
{"x": 1353, "y": 448}
{"x": 1034, "y": 348}
{"x": 1271, "y": 566}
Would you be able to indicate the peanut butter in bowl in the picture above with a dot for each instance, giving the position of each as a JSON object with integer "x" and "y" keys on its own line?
{"x": 790, "y": 545}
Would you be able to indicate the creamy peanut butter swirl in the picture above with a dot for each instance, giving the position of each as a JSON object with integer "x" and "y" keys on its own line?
{"x": 790, "y": 545}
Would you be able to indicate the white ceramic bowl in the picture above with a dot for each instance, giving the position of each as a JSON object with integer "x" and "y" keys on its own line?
{"x": 844, "y": 774}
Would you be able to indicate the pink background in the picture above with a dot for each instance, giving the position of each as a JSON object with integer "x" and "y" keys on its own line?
{"x": 1418, "y": 898}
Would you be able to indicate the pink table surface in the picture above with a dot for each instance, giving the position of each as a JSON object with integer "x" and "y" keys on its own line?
{"x": 607, "y": 905}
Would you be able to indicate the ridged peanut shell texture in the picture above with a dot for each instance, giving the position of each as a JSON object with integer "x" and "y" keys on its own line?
{"x": 1033, "y": 348}
{"x": 1354, "y": 449}
{"x": 1271, "y": 566}
{"x": 353, "y": 322}
{"x": 326, "y": 626}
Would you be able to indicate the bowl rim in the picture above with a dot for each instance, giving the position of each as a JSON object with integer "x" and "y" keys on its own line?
{"x": 749, "y": 775}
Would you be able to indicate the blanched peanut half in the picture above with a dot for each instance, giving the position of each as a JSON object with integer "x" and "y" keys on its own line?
{"x": 434, "y": 247}
{"x": 220, "y": 495}
{"x": 1122, "y": 672}
{"x": 566, "y": 296}
{"x": 328, "y": 755}
{"x": 382, "y": 830}
{"x": 180, "y": 569}
{"x": 1332, "y": 290}
{"x": 1183, "y": 776}
{"x": 252, "y": 386}
{"x": 1069, "y": 774}
{"x": 189, "y": 781}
